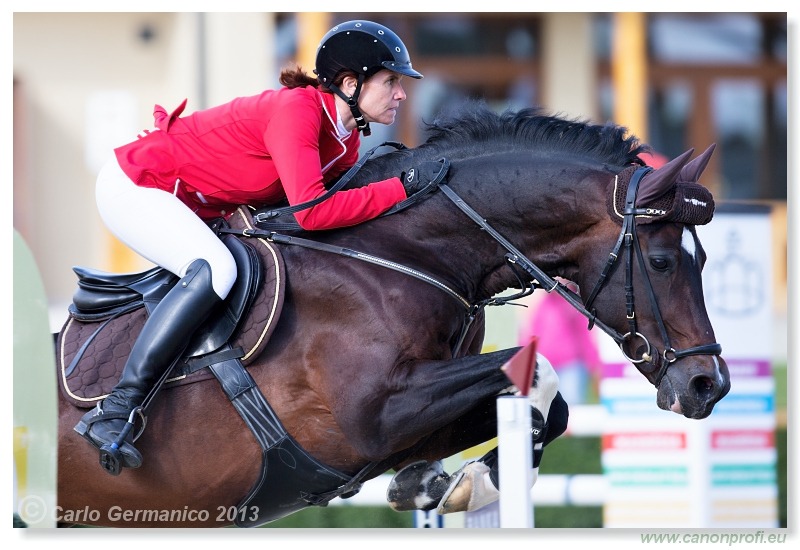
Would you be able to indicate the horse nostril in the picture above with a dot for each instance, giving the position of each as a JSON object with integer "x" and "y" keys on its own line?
{"x": 703, "y": 385}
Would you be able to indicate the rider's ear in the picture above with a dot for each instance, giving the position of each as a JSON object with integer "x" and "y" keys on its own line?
{"x": 349, "y": 84}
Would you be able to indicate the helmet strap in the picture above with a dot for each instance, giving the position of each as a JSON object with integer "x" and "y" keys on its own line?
{"x": 352, "y": 102}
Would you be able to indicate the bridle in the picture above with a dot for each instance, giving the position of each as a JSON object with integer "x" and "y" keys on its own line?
{"x": 539, "y": 279}
{"x": 630, "y": 240}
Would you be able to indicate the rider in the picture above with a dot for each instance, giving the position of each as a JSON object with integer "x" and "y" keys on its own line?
{"x": 157, "y": 193}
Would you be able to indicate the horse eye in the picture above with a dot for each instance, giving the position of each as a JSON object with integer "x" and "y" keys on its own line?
{"x": 659, "y": 264}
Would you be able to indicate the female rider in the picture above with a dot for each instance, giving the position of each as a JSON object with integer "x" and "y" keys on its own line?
{"x": 157, "y": 193}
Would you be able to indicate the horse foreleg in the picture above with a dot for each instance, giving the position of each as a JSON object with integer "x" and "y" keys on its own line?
{"x": 395, "y": 413}
{"x": 477, "y": 483}
{"x": 420, "y": 484}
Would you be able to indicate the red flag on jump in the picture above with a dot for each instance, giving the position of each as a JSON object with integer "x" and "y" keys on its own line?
{"x": 521, "y": 367}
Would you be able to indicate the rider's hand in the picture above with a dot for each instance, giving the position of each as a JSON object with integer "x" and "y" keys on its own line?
{"x": 414, "y": 179}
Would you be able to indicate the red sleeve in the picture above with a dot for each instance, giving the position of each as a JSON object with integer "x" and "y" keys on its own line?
{"x": 292, "y": 139}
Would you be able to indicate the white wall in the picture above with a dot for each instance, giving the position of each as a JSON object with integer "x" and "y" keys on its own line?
{"x": 86, "y": 82}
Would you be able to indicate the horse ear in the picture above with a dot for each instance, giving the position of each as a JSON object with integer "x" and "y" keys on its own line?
{"x": 661, "y": 180}
{"x": 692, "y": 171}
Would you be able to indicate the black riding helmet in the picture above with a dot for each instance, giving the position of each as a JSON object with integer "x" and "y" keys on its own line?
{"x": 365, "y": 48}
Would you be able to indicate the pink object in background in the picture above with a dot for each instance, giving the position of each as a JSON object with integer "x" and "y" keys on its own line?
{"x": 564, "y": 338}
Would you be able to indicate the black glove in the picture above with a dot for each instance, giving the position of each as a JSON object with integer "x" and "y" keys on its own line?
{"x": 414, "y": 179}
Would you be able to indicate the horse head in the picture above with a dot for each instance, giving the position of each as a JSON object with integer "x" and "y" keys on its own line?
{"x": 662, "y": 317}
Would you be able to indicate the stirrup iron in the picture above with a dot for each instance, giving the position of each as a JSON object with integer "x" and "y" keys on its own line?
{"x": 110, "y": 457}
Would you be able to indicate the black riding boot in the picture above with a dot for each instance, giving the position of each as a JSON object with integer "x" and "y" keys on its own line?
{"x": 165, "y": 335}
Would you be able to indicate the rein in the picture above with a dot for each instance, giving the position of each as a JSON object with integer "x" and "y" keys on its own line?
{"x": 267, "y": 217}
{"x": 630, "y": 239}
{"x": 471, "y": 310}
{"x": 514, "y": 258}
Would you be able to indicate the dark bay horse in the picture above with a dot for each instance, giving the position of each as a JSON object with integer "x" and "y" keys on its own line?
{"x": 365, "y": 369}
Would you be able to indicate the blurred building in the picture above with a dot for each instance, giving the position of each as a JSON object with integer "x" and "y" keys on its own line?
{"x": 86, "y": 82}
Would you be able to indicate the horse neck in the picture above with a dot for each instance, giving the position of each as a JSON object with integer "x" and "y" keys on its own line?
{"x": 547, "y": 213}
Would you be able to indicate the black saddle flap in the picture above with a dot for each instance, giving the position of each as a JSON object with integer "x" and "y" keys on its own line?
{"x": 99, "y": 291}
{"x": 216, "y": 331}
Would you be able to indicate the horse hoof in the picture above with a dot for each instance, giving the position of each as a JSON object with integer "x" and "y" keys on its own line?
{"x": 418, "y": 486}
{"x": 468, "y": 490}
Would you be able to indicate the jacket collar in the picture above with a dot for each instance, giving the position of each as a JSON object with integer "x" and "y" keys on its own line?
{"x": 329, "y": 105}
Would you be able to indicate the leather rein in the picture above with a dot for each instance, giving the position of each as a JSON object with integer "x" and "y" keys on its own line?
{"x": 515, "y": 259}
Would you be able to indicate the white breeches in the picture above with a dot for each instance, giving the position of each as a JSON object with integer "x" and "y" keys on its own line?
{"x": 161, "y": 228}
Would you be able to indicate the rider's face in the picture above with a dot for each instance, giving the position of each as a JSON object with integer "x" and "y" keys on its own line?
{"x": 381, "y": 96}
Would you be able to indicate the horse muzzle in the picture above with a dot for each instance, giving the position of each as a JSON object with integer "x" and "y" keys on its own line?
{"x": 693, "y": 390}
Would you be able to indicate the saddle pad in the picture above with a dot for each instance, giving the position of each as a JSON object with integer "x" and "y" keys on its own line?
{"x": 108, "y": 342}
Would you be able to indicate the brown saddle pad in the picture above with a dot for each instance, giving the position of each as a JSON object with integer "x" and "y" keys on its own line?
{"x": 100, "y": 367}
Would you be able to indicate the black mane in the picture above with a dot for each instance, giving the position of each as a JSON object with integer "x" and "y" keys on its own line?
{"x": 472, "y": 129}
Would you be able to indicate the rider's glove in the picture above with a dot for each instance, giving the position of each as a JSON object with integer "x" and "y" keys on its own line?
{"x": 416, "y": 178}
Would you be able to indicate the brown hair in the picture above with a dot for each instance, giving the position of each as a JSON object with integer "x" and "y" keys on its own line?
{"x": 294, "y": 76}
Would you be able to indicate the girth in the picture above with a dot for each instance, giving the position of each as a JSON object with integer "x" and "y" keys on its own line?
{"x": 290, "y": 479}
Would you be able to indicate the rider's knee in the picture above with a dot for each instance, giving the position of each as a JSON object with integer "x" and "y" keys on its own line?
{"x": 223, "y": 270}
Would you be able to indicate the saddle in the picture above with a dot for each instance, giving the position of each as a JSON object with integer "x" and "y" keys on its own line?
{"x": 109, "y": 310}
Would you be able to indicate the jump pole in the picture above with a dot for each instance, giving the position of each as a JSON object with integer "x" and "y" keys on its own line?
{"x": 514, "y": 442}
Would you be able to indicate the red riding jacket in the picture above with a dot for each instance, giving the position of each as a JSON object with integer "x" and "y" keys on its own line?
{"x": 257, "y": 150}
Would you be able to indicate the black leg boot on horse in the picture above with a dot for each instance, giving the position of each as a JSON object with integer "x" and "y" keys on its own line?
{"x": 163, "y": 339}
